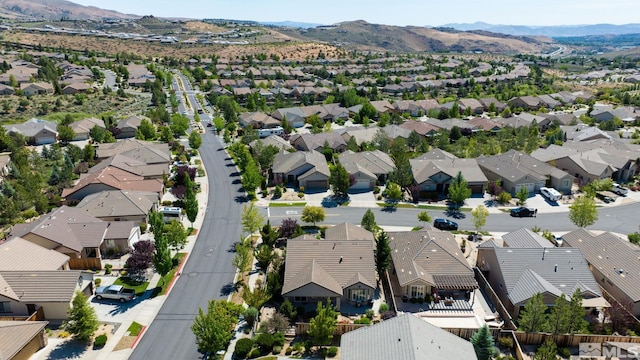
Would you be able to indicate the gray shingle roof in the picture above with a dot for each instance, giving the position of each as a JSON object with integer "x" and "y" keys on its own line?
{"x": 330, "y": 264}
{"x": 32, "y": 127}
{"x": 376, "y": 162}
{"x": 423, "y": 170}
{"x": 405, "y": 337}
{"x": 347, "y": 231}
{"x": 121, "y": 203}
{"x": 285, "y": 162}
{"x": 132, "y": 165}
{"x": 527, "y": 271}
{"x": 42, "y": 286}
{"x": 15, "y": 335}
{"x": 129, "y": 146}
{"x": 525, "y": 238}
{"x": 515, "y": 165}
{"x": 429, "y": 256}
{"x": 617, "y": 259}
{"x": 20, "y": 254}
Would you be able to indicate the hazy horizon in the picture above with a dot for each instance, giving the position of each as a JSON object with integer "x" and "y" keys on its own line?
{"x": 404, "y": 13}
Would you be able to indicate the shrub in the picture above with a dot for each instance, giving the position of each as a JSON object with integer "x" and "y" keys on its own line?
{"x": 143, "y": 227}
{"x": 278, "y": 339}
{"x": 376, "y": 190}
{"x": 289, "y": 351}
{"x": 265, "y": 342}
{"x": 383, "y": 307}
{"x": 254, "y": 353}
{"x": 634, "y": 238}
{"x": 504, "y": 197}
{"x": 250, "y": 315}
{"x": 300, "y": 194}
{"x": 332, "y": 352}
{"x": 277, "y": 193}
{"x": 413, "y": 300}
{"x": 288, "y": 310}
{"x": 107, "y": 269}
{"x": 379, "y": 197}
{"x": 565, "y": 353}
{"x": 97, "y": 281}
{"x": 100, "y": 341}
{"x": 167, "y": 203}
{"x": 369, "y": 313}
{"x": 505, "y": 342}
{"x": 364, "y": 320}
{"x": 297, "y": 347}
{"x": 243, "y": 347}
{"x": 276, "y": 350}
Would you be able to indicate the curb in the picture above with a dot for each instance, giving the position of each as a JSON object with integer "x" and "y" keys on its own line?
{"x": 135, "y": 342}
{"x": 178, "y": 272}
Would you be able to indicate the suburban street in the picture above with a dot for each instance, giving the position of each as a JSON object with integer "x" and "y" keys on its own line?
{"x": 208, "y": 273}
{"x": 620, "y": 219}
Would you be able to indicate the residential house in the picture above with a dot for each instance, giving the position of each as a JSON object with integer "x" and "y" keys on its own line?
{"x": 562, "y": 119}
{"x": 394, "y": 131}
{"x": 76, "y": 88}
{"x": 525, "y": 102}
{"x": 18, "y": 254}
{"x": 585, "y": 167}
{"x": 515, "y": 169}
{"x": 82, "y": 128}
{"x": 307, "y": 170}
{"x": 620, "y": 155}
{"x": 361, "y": 134}
{"x": 308, "y": 142}
{"x": 516, "y": 274}
{"x": 24, "y": 292}
{"x": 36, "y": 88}
{"x": 405, "y": 337}
{"x": 258, "y": 120}
{"x": 429, "y": 262}
{"x": 484, "y": 124}
{"x": 22, "y": 339}
{"x": 139, "y": 75}
{"x": 613, "y": 262}
{"x": 583, "y": 132}
{"x": 525, "y": 238}
{"x": 382, "y": 106}
{"x": 486, "y": 102}
{"x": 339, "y": 270}
{"x": 126, "y": 128}
{"x": 326, "y": 112}
{"x": 474, "y": 106}
{"x": 421, "y": 127}
{"x": 434, "y": 174}
{"x": 82, "y": 237}
{"x": 548, "y": 101}
{"x": 110, "y": 178}
{"x": 275, "y": 140}
{"x": 369, "y": 168}
{"x": 6, "y": 90}
{"x": 145, "y": 151}
{"x": 120, "y": 205}
{"x": 36, "y": 131}
{"x": 294, "y": 115}
{"x": 347, "y": 231}
{"x": 133, "y": 166}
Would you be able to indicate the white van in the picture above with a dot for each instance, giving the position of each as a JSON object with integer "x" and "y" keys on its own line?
{"x": 263, "y": 133}
{"x": 550, "y": 193}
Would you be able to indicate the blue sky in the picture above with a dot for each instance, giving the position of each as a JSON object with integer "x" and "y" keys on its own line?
{"x": 402, "y": 12}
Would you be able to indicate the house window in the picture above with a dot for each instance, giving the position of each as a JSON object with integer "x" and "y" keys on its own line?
{"x": 300, "y": 299}
{"x": 417, "y": 291}
{"x": 565, "y": 183}
{"x": 5, "y": 307}
{"x": 110, "y": 244}
{"x": 359, "y": 294}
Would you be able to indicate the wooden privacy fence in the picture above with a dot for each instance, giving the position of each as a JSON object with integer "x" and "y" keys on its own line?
{"x": 83, "y": 264}
{"x": 572, "y": 340}
{"x": 303, "y": 328}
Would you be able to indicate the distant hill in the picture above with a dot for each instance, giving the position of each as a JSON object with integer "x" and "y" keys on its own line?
{"x": 293, "y": 24}
{"x": 363, "y": 35}
{"x": 550, "y": 31}
{"x": 55, "y": 10}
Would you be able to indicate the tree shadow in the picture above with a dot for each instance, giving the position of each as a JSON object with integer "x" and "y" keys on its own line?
{"x": 236, "y": 182}
{"x": 234, "y": 174}
{"x": 241, "y": 199}
{"x": 72, "y": 349}
{"x": 455, "y": 213}
{"x": 389, "y": 208}
{"x": 227, "y": 289}
{"x": 329, "y": 202}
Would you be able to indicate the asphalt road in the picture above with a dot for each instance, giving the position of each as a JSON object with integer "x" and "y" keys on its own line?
{"x": 621, "y": 219}
{"x": 208, "y": 273}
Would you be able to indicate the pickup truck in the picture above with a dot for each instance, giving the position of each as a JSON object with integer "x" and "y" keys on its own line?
{"x": 115, "y": 292}
{"x": 619, "y": 190}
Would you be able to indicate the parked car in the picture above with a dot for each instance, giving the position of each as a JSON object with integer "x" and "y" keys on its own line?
{"x": 523, "y": 212}
{"x": 115, "y": 292}
{"x": 445, "y": 224}
{"x": 550, "y": 193}
{"x": 619, "y": 190}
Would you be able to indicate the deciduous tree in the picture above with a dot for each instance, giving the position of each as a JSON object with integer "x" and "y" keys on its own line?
{"x": 251, "y": 219}
{"x": 368, "y": 221}
{"x": 214, "y": 329}
{"x": 480, "y": 214}
{"x": 321, "y": 327}
{"x": 583, "y": 212}
{"x": 83, "y": 320}
{"x": 195, "y": 140}
{"x": 313, "y": 214}
{"x": 339, "y": 180}
{"x": 459, "y": 190}
{"x": 424, "y": 217}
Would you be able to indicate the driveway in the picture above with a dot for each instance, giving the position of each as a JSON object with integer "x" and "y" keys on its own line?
{"x": 363, "y": 199}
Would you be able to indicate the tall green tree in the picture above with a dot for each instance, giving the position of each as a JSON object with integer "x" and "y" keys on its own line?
{"x": 394, "y": 192}
{"x": 577, "y": 323}
{"x": 269, "y": 234}
{"x": 242, "y": 258}
{"x": 190, "y": 200}
{"x": 522, "y": 195}
{"x": 480, "y": 214}
{"x": 146, "y": 130}
{"x": 483, "y": 343}
{"x": 383, "y": 253}
{"x": 176, "y": 235}
{"x": 313, "y": 214}
{"x": 65, "y": 133}
{"x": 459, "y": 190}
{"x": 214, "y": 329}
{"x": 559, "y": 316}
{"x": 322, "y": 326}
{"x": 424, "y": 217}
{"x": 195, "y": 140}
{"x": 547, "y": 351}
{"x": 339, "y": 181}
{"x": 368, "y": 221}
{"x": 251, "y": 219}
{"x": 251, "y": 178}
{"x": 533, "y": 317}
{"x": 583, "y": 212}
{"x": 162, "y": 261}
{"x": 264, "y": 255}
{"x": 83, "y": 320}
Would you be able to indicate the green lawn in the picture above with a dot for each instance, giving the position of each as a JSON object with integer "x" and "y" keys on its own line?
{"x": 139, "y": 287}
{"x": 164, "y": 283}
{"x": 134, "y": 329}
{"x": 287, "y": 204}
{"x": 425, "y": 207}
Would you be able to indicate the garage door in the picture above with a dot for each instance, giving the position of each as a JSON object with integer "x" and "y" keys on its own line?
{"x": 46, "y": 140}
{"x": 363, "y": 184}
{"x": 476, "y": 189}
{"x": 530, "y": 187}
{"x": 317, "y": 184}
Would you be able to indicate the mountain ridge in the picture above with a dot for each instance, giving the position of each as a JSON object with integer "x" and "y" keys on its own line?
{"x": 56, "y": 10}
{"x": 549, "y": 30}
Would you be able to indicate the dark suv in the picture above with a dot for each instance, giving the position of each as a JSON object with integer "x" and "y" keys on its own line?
{"x": 445, "y": 224}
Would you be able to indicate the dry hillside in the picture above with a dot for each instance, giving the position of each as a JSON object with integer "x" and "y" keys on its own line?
{"x": 55, "y": 9}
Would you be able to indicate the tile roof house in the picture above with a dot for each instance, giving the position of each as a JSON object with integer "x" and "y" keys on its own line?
{"x": 404, "y": 337}
{"x": 110, "y": 178}
{"x": 38, "y": 88}
{"x": 525, "y": 102}
{"x": 37, "y": 131}
{"x": 308, "y": 142}
{"x": 304, "y": 169}
{"x": 275, "y": 140}
{"x": 133, "y": 166}
{"x": 525, "y": 238}
{"x": 361, "y": 134}
{"x": 78, "y": 235}
{"x": 516, "y": 169}
{"x": 20, "y": 255}
{"x": 486, "y": 102}
{"x": 82, "y": 128}
{"x": 367, "y": 167}
{"x": 347, "y": 231}
{"x": 126, "y": 128}
{"x": 421, "y": 127}
{"x": 613, "y": 262}
{"x": 258, "y": 120}
{"x": 474, "y": 105}
{"x": 120, "y": 205}
{"x": 428, "y": 262}
{"x": 516, "y": 274}
{"x": 584, "y": 166}
{"x": 149, "y": 152}
{"x": 339, "y": 270}
{"x": 22, "y": 339}
{"x": 294, "y": 115}
{"x": 434, "y": 174}
{"x": 24, "y": 292}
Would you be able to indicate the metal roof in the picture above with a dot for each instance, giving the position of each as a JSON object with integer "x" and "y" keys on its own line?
{"x": 404, "y": 337}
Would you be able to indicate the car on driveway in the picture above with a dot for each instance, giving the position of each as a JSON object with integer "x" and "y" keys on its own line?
{"x": 619, "y": 190}
{"x": 523, "y": 212}
{"x": 445, "y": 224}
